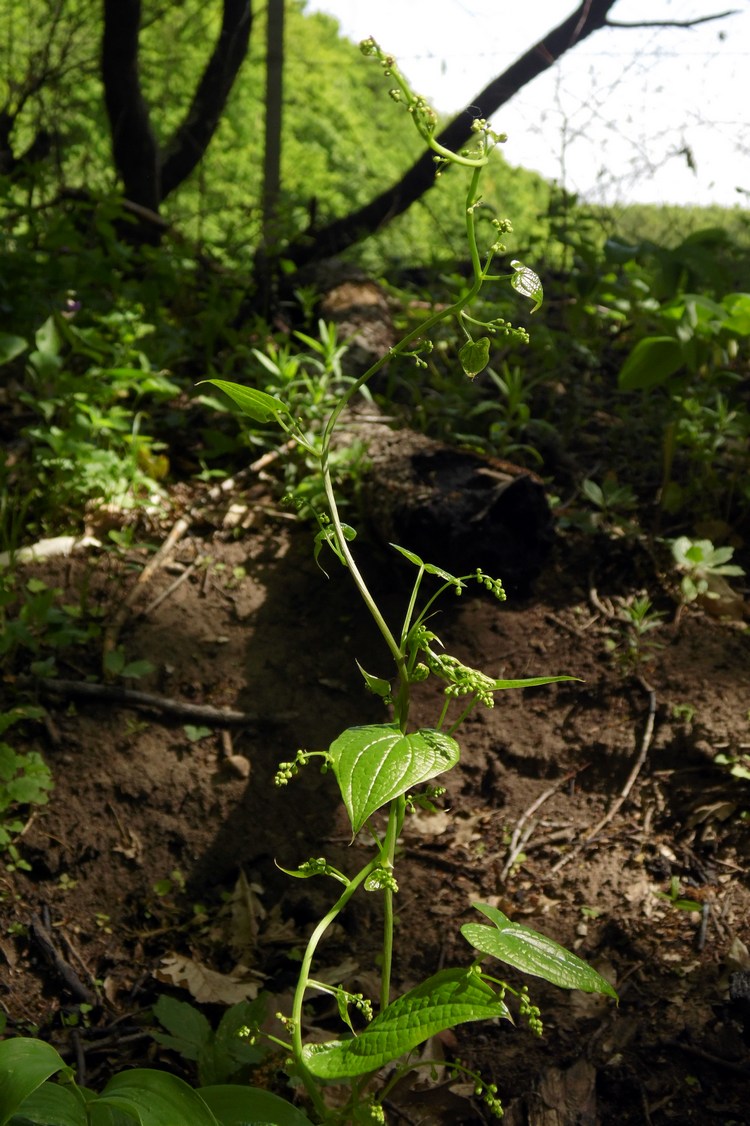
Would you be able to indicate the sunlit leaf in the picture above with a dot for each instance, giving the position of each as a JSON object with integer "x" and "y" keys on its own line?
{"x": 533, "y": 953}
{"x": 257, "y": 404}
{"x": 474, "y": 356}
{"x": 376, "y": 763}
{"x": 448, "y": 998}
{"x": 528, "y": 283}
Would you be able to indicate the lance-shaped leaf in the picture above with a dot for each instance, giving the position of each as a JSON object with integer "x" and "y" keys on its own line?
{"x": 530, "y": 682}
{"x": 528, "y": 283}
{"x": 533, "y": 953}
{"x": 376, "y": 763}
{"x": 448, "y": 998}
{"x": 257, "y": 404}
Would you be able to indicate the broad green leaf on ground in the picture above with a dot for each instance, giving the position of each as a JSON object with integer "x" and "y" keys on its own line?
{"x": 189, "y": 1030}
{"x": 257, "y": 404}
{"x": 157, "y": 1099}
{"x": 233, "y": 1105}
{"x": 474, "y": 356}
{"x": 450, "y": 997}
{"x": 52, "y": 1105}
{"x": 10, "y": 347}
{"x": 533, "y": 953}
{"x": 651, "y": 362}
{"x": 24, "y": 1065}
{"x": 376, "y": 763}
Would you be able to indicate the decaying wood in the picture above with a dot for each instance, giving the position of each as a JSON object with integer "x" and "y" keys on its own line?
{"x": 132, "y": 698}
{"x": 559, "y": 1098}
{"x": 454, "y": 508}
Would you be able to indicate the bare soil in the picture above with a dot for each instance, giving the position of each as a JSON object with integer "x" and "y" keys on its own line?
{"x": 572, "y": 809}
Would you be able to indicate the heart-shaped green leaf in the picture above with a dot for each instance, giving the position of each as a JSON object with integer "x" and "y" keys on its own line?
{"x": 475, "y": 355}
{"x": 450, "y": 997}
{"x": 533, "y": 953}
{"x": 257, "y": 404}
{"x": 376, "y": 763}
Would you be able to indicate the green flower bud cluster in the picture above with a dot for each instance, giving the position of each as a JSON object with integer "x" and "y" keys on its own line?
{"x": 419, "y": 673}
{"x": 289, "y": 770}
{"x": 481, "y": 125}
{"x": 370, "y": 1113}
{"x": 462, "y": 679}
{"x": 531, "y": 1012}
{"x": 248, "y": 1034}
{"x": 487, "y": 1092}
{"x": 359, "y": 1002}
{"x": 494, "y": 586}
{"x": 382, "y": 879}
{"x": 315, "y": 866}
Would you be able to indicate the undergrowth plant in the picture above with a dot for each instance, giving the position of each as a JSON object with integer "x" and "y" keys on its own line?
{"x": 382, "y": 771}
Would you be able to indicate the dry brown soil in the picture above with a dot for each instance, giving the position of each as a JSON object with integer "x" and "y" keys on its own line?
{"x": 134, "y": 858}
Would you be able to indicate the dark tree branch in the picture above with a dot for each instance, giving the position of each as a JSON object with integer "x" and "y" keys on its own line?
{"x": 134, "y": 146}
{"x": 590, "y": 16}
{"x": 191, "y": 139}
{"x": 674, "y": 23}
{"x": 341, "y": 233}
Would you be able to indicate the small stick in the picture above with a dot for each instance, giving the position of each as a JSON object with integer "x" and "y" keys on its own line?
{"x": 64, "y": 969}
{"x": 132, "y": 698}
{"x": 625, "y": 791}
{"x": 112, "y": 630}
{"x": 155, "y": 602}
{"x": 516, "y": 842}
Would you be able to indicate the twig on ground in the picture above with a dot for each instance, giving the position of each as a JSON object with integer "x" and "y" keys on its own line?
{"x": 164, "y": 595}
{"x": 699, "y": 1053}
{"x": 625, "y": 791}
{"x": 519, "y": 838}
{"x": 44, "y": 941}
{"x": 132, "y": 698}
{"x": 178, "y": 530}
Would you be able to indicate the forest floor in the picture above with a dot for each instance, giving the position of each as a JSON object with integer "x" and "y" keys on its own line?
{"x": 589, "y": 810}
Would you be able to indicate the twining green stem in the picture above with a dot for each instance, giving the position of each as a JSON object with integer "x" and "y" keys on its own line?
{"x": 304, "y": 978}
{"x": 396, "y": 814}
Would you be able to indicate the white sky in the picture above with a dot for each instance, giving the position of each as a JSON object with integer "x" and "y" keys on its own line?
{"x": 609, "y": 120}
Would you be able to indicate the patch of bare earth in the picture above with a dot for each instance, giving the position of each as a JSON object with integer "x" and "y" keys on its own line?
{"x": 573, "y": 807}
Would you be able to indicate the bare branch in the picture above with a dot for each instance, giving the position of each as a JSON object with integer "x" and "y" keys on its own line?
{"x": 674, "y": 23}
{"x": 590, "y": 16}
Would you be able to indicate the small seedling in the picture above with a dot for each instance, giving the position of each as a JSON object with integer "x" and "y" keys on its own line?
{"x": 700, "y": 563}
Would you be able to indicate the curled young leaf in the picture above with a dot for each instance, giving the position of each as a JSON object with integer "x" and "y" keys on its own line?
{"x": 528, "y": 283}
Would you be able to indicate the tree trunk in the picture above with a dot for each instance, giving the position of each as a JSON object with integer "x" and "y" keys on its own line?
{"x": 344, "y": 232}
{"x": 191, "y": 140}
{"x": 134, "y": 146}
{"x": 147, "y": 173}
